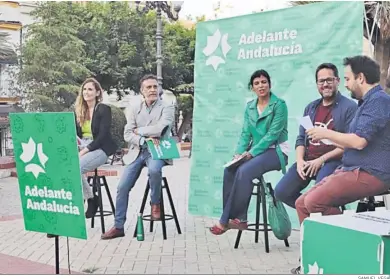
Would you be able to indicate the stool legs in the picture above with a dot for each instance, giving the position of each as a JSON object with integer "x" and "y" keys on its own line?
{"x": 368, "y": 204}
{"x": 162, "y": 210}
{"x": 99, "y": 190}
{"x": 172, "y": 206}
{"x": 260, "y": 198}
{"x": 97, "y": 182}
{"x": 257, "y": 224}
{"x": 94, "y": 190}
{"x": 109, "y": 195}
{"x": 163, "y": 225}
{"x": 265, "y": 219}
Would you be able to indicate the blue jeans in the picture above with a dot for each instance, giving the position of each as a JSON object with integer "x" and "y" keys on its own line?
{"x": 128, "y": 179}
{"x": 89, "y": 162}
{"x": 289, "y": 188}
{"x": 238, "y": 185}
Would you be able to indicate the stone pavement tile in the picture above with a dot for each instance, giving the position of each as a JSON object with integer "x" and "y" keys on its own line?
{"x": 77, "y": 265}
{"x": 248, "y": 271}
{"x": 191, "y": 260}
{"x": 36, "y": 255}
{"x": 166, "y": 261}
{"x": 111, "y": 271}
{"x": 178, "y": 271}
{"x": 165, "y": 270}
{"x": 179, "y": 252}
{"x": 16, "y": 252}
{"x": 104, "y": 261}
{"x": 139, "y": 267}
{"x": 116, "y": 262}
{"x": 181, "y": 263}
{"x": 152, "y": 270}
{"x": 47, "y": 258}
{"x": 128, "y": 263}
{"x": 102, "y": 270}
{"x": 154, "y": 258}
{"x": 218, "y": 271}
{"x": 151, "y": 264}
{"x": 131, "y": 253}
{"x": 26, "y": 253}
{"x": 10, "y": 198}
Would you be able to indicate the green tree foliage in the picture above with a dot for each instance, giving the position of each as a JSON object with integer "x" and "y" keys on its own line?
{"x": 53, "y": 60}
{"x": 118, "y": 125}
{"x": 6, "y": 52}
{"x": 185, "y": 104}
{"x": 106, "y": 40}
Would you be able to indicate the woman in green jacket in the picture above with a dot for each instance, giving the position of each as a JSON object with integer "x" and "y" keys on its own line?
{"x": 262, "y": 146}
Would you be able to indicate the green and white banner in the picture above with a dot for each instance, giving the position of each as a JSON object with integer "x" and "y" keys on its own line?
{"x": 289, "y": 44}
{"x": 47, "y": 163}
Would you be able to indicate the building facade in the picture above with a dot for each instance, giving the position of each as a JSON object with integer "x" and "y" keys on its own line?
{"x": 14, "y": 18}
{"x": 7, "y": 105}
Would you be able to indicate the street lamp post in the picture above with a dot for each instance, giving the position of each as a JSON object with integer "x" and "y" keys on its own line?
{"x": 160, "y": 6}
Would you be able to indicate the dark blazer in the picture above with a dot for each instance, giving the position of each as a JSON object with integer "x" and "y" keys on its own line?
{"x": 101, "y": 130}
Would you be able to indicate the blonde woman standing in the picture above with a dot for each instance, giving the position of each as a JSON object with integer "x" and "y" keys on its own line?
{"x": 93, "y": 125}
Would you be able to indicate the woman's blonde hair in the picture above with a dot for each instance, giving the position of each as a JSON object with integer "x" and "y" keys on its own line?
{"x": 81, "y": 106}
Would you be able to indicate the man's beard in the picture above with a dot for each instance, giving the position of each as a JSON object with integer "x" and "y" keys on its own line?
{"x": 353, "y": 95}
{"x": 332, "y": 96}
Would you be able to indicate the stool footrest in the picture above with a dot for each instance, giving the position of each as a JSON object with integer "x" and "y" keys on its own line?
{"x": 259, "y": 230}
{"x": 148, "y": 218}
{"x": 164, "y": 217}
{"x": 101, "y": 173}
{"x": 105, "y": 213}
{"x": 261, "y": 212}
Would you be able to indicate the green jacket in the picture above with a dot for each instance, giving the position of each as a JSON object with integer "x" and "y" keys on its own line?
{"x": 259, "y": 132}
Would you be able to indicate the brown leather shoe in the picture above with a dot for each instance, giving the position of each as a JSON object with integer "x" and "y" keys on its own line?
{"x": 156, "y": 213}
{"x": 113, "y": 233}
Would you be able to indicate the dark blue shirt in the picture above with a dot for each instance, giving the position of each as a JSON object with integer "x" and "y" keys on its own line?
{"x": 371, "y": 122}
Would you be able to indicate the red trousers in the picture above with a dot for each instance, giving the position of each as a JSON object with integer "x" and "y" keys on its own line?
{"x": 338, "y": 189}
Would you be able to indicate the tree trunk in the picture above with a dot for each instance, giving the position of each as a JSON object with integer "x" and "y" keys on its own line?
{"x": 382, "y": 56}
{"x": 186, "y": 120}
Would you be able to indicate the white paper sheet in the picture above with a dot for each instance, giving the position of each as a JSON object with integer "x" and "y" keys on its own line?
{"x": 232, "y": 162}
{"x": 327, "y": 142}
{"x": 306, "y": 122}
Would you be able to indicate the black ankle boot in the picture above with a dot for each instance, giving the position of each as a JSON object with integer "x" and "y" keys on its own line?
{"x": 93, "y": 205}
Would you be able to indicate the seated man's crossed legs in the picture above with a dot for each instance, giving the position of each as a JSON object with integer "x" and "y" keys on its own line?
{"x": 338, "y": 189}
{"x": 289, "y": 188}
{"x": 127, "y": 181}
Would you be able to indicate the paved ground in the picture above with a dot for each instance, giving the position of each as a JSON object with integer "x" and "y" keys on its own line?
{"x": 194, "y": 251}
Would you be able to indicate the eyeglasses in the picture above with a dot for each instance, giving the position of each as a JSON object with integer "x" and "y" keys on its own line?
{"x": 328, "y": 80}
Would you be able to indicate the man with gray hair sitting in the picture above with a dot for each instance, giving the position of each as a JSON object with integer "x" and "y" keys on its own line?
{"x": 150, "y": 119}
